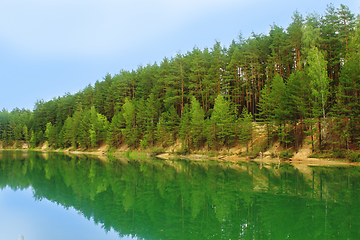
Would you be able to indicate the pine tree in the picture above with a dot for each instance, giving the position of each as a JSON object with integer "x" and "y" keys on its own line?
{"x": 130, "y": 130}
{"x": 32, "y": 139}
{"x": 266, "y": 111}
{"x": 185, "y": 127}
{"x": 296, "y": 92}
{"x": 75, "y": 129}
{"x": 50, "y": 134}
{"x": 67, "y": 132}
{"x": 210, "y": 132}
{"x": 25, "y": 134}
{"x": 151, "y": 118}
{"x": 197, "y": 122}
{"x": 161, "y": 134}
{"x": 197, "y": 74}
{"x": 346, "y": 25}
{"x": 172, "y": 122}
{"x": 246, "y": 128}
{"x": 114, "y": 135}
{"x": 99, "y": 127}
{"x": 294, "y": 41}
{"x": 280, "y": 108}
{"x": 84, "y": 130}
{"x": 224, "y": 120}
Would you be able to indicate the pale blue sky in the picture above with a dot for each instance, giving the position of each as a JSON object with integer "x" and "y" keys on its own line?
{"x": 50, "y": 47}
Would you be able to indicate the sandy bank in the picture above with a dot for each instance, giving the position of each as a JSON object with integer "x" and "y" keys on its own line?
{"x": 103, "y": 155}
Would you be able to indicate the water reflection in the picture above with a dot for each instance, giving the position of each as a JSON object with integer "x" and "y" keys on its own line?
{"x": 153, "y": 199}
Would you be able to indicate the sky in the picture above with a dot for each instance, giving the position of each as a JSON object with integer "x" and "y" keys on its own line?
{"x": 52, "y": 47}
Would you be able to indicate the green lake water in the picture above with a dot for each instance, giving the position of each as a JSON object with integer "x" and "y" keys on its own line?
{"x": 55, "y": 196}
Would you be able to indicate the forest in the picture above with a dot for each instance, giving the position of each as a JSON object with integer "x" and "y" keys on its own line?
{"x": 302, "y": 81}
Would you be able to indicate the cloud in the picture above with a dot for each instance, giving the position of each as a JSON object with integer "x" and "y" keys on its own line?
{"x": 94, "y": 27}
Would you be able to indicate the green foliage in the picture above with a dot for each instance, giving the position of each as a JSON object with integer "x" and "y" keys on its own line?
{"x": 183, "y": 150}
{"x": 223, "y": 119}
{"x": 114, "y": 134}
{"x": 354, "y": 157}
{"x": 50, "y": 134}
{"x": 162, "y": 136}
{"x": 38, "y": 139}
{"x": 25, "y": 133}
{"x": 286, "y": 154}
{"x": 144, "y": 144}
{"x": 83, "y": 138}
{"x": 246, "y": 128}
{"x": 338, "y": 153}
{"x": 196, "y": 123}
{"x": 130, "y": 131}
{"x": 67, "y": 132}
{"x": 210, "y": 133}
{"x": 285, "y": 79}
{"x": 185, "y": 127}
{"x": 151, "y": 118}
{"x": 99, "y": 128}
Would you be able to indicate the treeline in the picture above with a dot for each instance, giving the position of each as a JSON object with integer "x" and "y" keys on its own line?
{"x": 299, "y": 81}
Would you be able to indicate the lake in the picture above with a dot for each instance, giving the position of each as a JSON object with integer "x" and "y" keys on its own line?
{"x": 55, "y": 196}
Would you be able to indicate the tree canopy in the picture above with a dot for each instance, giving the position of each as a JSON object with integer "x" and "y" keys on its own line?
{"x": 284, "y": 79}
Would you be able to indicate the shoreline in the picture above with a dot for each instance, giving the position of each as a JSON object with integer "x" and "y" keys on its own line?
{"x": 103, "y": 155}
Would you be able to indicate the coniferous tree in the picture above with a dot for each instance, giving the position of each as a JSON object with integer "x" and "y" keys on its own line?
{"x": 197, "y": 122}
{"x": 224, "y": 121}
{"x": 67, "y": 132}
{"x": 84, "y": 130}
{"x": 296, "y": 93}
{"x": 346, "y": 25}
{"x": 50, "y": 134}
{"x": 287, "y": 77}
{"x": 280, "y": 103}
{"x": 172, "y": 121}
{"x": 161, "y": 134}
{"x": 130, "y": 130}
{"x": 185, "y": 128}
{"x": 151, "y": 118}
{"x": 140, "y": 109}
{"x": 99, "y": 127}
{"x": 294, "y": 40}
{"x": 246, "y": 128}
{"x": 114, "y": 134}
{"x": 25, "y": 133}
{"x": 266, "y": 112}
{"x": 197, "y": 74}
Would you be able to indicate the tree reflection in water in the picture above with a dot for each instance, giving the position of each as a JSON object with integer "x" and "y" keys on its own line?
{"x": 155, "y": 199}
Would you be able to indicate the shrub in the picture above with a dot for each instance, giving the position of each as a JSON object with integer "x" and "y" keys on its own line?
{"x": 183, "y": 150}
{"x": 339, "y": 154}
{"x": 354, "y": 157}
{"x": 286, "y": 154}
